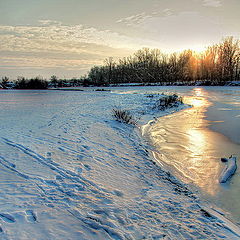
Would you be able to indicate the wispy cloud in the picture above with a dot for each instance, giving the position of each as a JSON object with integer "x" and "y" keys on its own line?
{"x": 138, "y": 19}
{"x": 212, "y": 3}
{"x": 134, "y": 19}
{"x": 167, "y": 12}
{"x": 176, "y": 31}
{"x": 52, "y": 35}
{"x": 52, "y": 44}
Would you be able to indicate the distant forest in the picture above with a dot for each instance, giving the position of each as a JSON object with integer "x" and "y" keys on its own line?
{"x": 217, "y": 65}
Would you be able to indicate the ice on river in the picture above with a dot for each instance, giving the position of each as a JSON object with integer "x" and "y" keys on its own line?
{"x": 68, "y": 171}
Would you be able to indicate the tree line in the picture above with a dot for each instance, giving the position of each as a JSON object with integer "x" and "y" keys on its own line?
{"x": 40, "y": 83}
{"x": 218, "y": 64}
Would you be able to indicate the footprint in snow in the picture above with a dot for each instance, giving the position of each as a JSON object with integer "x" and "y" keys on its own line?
{"x": 78, "y": 170}
{"x": 86, "y": 147}
{"x": 31, "y": 216}
{"x": 7, "y": 217}
{"x": 49, "y": 156}
{"x": 87, "y": 167}
{"x": 117, "y": 193}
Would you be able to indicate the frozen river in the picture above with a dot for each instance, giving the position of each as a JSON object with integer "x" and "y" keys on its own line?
{"x": 190, "y": 143}
{"x": 69, "y": 171}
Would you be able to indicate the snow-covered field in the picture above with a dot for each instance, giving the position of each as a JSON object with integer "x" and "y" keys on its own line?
{"x": 69, "y": 171}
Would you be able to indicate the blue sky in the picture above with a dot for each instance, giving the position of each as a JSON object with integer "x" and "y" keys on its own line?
{"x": 66, "y": 38}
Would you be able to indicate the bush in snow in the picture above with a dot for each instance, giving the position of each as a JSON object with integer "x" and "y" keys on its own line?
{"x": 123, "y": 116}
{"x": 168, "y": 101}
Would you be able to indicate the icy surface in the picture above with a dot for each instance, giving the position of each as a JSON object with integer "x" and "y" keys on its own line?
{"x": 226, "y": 112}
{"x": 188, "y": 147}
{"x": 68, "y": 171}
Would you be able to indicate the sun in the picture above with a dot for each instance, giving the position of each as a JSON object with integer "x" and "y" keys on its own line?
{"x": 198, "y": 48}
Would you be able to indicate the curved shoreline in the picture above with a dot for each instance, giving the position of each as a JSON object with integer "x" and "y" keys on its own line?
{"x": 206, "y": 206}
{"x": 76, "y": 158}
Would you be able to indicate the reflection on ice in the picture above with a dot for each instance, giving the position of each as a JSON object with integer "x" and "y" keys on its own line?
{"x": 189, "y": 143}
{"x": 187, "y": 147}
{"x": 196, "y": 102}
{"x": 197, "y": 142}
{"x": 198, "y": 92}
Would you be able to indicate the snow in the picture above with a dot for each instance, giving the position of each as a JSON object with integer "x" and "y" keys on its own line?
{"x": 229, "y": 170}
{"x": 69, "y": 171}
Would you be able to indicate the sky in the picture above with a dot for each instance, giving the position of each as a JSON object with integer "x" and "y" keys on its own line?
{"x": 67, "y": 37}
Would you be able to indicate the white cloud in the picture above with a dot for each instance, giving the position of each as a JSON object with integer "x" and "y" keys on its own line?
{"x": 134, "y": 19}
{"x": 46, "y": 22}
{"x": 54, "y": 36}
{"x": 212, "y": 3}
{"x": 138, "y": 19}
{"x": 167, "y": 12}
{"x": 52, "y": 44}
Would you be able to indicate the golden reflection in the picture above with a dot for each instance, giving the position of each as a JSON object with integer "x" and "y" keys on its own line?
{"x": 197, "y": 142}
{"x": 199, "y": 98}
{"x": 183, "y": 143}
{"x": 196, "y": 101}
{"x": 198, "y": 92}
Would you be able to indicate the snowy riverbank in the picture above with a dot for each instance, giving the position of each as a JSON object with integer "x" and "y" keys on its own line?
{"x": 68, "y": 171}
{"x": 188, "y": 147}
